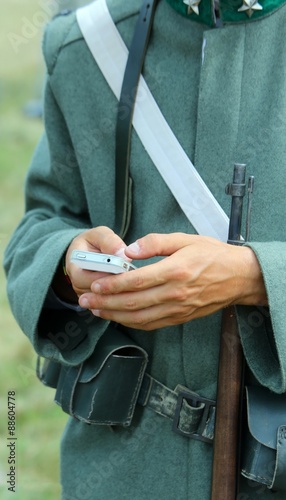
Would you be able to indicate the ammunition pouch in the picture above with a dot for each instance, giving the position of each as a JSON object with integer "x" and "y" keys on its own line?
{"x": 104, "y": 388}
{"x": 264, "y": 447}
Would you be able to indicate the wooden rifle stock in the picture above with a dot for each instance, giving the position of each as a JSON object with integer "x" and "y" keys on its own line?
{"x": 226, "y": 442}
{"x": 226, "y": 458}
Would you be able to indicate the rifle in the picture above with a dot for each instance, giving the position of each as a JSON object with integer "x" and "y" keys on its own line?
{"x": 226, "y": 462}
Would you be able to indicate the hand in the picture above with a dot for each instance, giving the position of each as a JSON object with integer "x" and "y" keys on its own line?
{"x": 100, "y": 239}
{"x": 199, "y": 276}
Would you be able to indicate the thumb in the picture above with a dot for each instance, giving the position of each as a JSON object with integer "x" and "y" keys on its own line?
{"x": 155, "y": 244}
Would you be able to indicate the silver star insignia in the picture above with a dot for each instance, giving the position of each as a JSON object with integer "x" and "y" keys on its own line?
{"x": 193, "y": 6}
{"x": 249, "y": 6}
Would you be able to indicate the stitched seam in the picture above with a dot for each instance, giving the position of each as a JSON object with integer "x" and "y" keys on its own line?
{"x": 136, "y": 390}
{"x": 250, "y": 475}
{"x": 62, "y": 45}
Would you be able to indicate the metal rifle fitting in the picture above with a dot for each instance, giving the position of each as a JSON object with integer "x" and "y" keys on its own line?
{"x": 237, "y": 190}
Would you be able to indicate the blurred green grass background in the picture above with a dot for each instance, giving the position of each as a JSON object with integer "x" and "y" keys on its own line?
{"x": 39, "y": 422}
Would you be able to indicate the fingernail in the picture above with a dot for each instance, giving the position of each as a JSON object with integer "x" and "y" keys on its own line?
{"x": 83, "y": 302}
{"x": 134, "y": 248}
{"x": 121, "y": 253}
{"x": 95, "y": 288}
{"x": 95, "y": 312}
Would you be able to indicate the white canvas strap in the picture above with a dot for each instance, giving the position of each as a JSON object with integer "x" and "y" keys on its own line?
{"x": 180, "y": 175}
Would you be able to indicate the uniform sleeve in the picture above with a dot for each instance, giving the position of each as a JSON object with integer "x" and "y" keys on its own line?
{"x": 263, "y": 330}
{"x": 56, "y": 212}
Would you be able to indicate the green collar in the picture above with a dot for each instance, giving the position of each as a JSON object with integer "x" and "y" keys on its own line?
{"x": 230, "y": 11}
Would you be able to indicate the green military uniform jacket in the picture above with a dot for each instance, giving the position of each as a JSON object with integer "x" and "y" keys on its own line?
{"x": 223, "y": 92}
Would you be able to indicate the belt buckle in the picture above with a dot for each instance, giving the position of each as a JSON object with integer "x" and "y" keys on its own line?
{"x": 193, "y": 399}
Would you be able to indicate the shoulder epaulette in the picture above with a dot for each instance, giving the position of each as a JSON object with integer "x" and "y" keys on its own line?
{"x": 63, "y": 29}
{"x": 59, "y": 32}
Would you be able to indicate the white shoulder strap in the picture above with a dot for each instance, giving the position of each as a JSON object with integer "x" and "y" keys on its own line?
{"x": 183, "y": 180}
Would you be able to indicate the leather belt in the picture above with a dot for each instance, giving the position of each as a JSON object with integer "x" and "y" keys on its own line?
{"x": 193, "y": 416}
{"x": 86, "y": 391}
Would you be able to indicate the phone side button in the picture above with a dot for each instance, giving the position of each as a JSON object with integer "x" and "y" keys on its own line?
{"x": 80, "y": 256}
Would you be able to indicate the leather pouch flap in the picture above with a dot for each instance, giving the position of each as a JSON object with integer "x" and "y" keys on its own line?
{"x": 115, "y": 344}
{"x": 105, "y": 387}
{"x": 265, "y": 413}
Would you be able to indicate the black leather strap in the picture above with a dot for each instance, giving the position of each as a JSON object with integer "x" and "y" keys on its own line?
{"x": 125, "y": 114}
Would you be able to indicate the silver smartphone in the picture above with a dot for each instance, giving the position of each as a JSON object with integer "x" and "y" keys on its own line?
{"x": 102, "y": 262}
